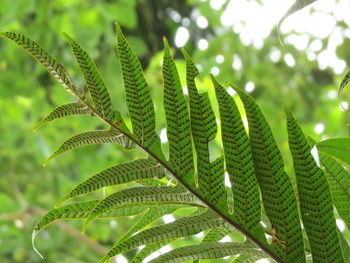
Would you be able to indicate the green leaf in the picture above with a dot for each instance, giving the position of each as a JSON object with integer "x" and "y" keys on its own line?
{"x": 55, "y": 68}
{"x": 238, "y": 161}
{"x": 63, "y": 111}
{"x": 344, "y": 82}
{"x": 215, "y": 235}
{"x": 95, "y": 84}
{"x": 118, "y": 174}
{"x": 177, "y": 119}
{"x": 138, "y": 97}
{"x": 345, "y": 247}
{"x": 218, "y": 191}
{"x": 141, "y": 196}
{"x": 185, "y": 226}
{"x": 315, "y": 199}
{"x": 81, "y": 210}
{"x": 148, "y": 250}
{"x": 276, "y": 188}
{"x": 203, "y": 126}
{"x": 248, "y": 258}
{"x": 208, "y": 251}
{"x": 338, "y": 147}
{"x": 149, "y": 216}
{"x": 339, "y": 182}
{"x": 91, "y": 137}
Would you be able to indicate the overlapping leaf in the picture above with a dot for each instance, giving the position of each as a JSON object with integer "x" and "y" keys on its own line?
{"x": 91, "y": 137}
{"x": 153, "y": 213}
{"x": 148, "y": 250}
{"x": 276, "y": 188}
{"x": 55, "y": 68}
{"x": 118, "y": 174}
{"x": 81, "y": 210}
{"x": 208, "y": 251}
{"x": 177, "y": 119}
{"x": 63, "y": 111}
{"x": 239, "y": 161}
{"x": 215, "y": 235}
{"x": 182, "y": 227}
{"x": 141, "y": 196}
{"x": 315, "y": 198}
{"x": 95, "y": 84}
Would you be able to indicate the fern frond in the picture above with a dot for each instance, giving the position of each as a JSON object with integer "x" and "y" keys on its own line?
{"x": 177, "y": 119}
{"x": 185, "y": 226}
{"x": 138, "y": 97}
{"x": 276, "y": 188}
{"x": 63, "y": 111}
{"x": 315, "y": 198}
{"x": 207, "y": 251}
{"x": 203, "y": 126}
{"x": 95, "y": 84}
{"x": 143, "y": 195}
{"x": 91, "y": 137}
{"x": 339, "y": 182}
{"x": 238, "y": 161}
{"x": 118, "y": 174}
{"x": 55, "y": 68}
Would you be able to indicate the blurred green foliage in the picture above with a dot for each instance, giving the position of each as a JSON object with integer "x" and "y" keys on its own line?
{"x": 27, "y": 92}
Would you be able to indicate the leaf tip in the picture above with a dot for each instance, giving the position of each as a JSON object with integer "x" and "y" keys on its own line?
{"x": 65, "y": 35}
{"x": 34, "y": 233}
{"x": 118, "y": 28}
{"x": 47, "y": 161}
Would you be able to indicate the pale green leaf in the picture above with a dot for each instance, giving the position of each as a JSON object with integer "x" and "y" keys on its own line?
{"x": 208, "y": 251}
{"x": 142, "y": 196}
{"x": 338, "y": 148}
{"x": 81, "y": 210}
{"x": 185, "y": 226}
